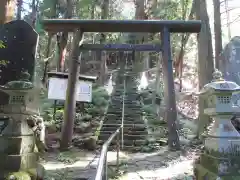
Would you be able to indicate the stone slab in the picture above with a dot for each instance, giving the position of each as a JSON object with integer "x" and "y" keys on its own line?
{"x": 14, "y": 163}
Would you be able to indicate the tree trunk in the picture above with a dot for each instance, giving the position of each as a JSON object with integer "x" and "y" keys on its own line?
{"x": 141, "y": 38}
{"x": 217, "y": 31}
{"x": 48, "y": 49}
{"x": 34, "y": 12}
{"x": 63, "y": 38}
{"x": 70, "y": 102}
{"x": 205, "y": 59}
{"x": 7, "y": 8}
{"x": 19, "y": 8}
{"x": 50, "y": 36}
{"x": 157, "y": 86}
{"x": 103, "y": 66}
{"x": 178, "y": 63}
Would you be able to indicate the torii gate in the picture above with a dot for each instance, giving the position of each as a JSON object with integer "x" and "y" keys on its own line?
{"x": 134, "y": 26}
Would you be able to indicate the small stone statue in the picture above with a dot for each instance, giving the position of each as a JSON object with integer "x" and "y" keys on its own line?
{"x": 217, "y": 76}
{"x": 38, "y": 127}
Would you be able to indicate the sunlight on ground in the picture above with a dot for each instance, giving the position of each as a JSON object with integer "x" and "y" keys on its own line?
{"x": 83, "y": 160}
{"x": 109, "y": 85}
{"x": 142, "y": 85}
{"x": 143, "y": 82}
{"x": 180, "y": 166}
{"x": 172, "y": 171}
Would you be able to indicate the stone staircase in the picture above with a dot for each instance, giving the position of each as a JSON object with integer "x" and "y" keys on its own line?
{"x": 134, "y": 136}
{"x": 134, "y": 129}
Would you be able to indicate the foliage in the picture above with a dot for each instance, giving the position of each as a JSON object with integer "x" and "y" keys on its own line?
{"x": 100, "y": 99}
{"x": 19, "y": 175}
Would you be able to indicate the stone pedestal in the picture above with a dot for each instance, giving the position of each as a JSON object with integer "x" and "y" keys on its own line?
{"x": 222, "y": 135}
{"x": 18, "y": 155}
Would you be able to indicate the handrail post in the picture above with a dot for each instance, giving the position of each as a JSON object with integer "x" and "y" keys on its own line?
{"x": 118, "y": 149}
{"x": 102, "y": 169}
{"x": 105, "y": 175}
{"x": 123, "y": 111}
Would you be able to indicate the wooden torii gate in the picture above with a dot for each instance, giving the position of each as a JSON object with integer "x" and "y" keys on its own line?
{"x": 129, "y": 26}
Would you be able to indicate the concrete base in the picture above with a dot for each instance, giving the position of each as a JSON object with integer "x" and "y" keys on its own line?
{"x": 15, "y": 163}
{"x": 17, "y": 144}
{"x": 21, "y": 165}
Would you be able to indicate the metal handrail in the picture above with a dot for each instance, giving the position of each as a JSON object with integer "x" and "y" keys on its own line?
{"x": 102, "y": 163}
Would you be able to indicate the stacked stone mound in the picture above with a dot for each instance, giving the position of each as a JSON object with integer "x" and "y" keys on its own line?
{"x": 134, "y": 131}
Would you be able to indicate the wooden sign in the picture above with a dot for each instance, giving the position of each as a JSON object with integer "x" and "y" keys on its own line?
{"x": 58, "y": 86}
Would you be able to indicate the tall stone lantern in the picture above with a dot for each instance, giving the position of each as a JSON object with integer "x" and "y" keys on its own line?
{"x": 220, "y": 159}
{"x": 17, "y": 140}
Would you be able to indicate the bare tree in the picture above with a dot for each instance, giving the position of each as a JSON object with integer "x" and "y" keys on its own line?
{"x": 217, "y": 31}
{"x": 70, "y": 102}
{"x": 205, "y": 58}
{"x": 103, "y": 67}
{"x": 63, "y": 37}
{"x": 19, "y": 8}
{"x": 7, "y": 8}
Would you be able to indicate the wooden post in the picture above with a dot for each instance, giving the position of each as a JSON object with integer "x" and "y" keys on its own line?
{"x": 169, "y": 90}
{"x": 70, "y": 101}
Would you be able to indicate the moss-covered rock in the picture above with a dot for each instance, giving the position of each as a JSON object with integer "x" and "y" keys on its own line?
{"x": 19, "y": 176}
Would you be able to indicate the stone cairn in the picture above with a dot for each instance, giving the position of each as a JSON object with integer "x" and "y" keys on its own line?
{"x": 220, "y": 158}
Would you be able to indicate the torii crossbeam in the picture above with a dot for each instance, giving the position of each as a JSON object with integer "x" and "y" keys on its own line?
{"x": 143, "y": 26}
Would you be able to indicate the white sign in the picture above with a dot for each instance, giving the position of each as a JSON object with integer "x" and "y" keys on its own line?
{"x": 57, "y": 90}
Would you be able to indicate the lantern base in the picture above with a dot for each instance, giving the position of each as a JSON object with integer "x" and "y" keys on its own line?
{"x": 201, "y": 173}
{"x": 216, "y": 165}
{"x": 17, "y": 163}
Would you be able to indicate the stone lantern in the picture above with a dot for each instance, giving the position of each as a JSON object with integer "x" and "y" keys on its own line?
{"x": 17, "y": 140}
{"x": 222, "y": 139}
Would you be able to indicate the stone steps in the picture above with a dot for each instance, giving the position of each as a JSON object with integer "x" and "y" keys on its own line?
{"x": 134, "y": 129}
{"x": 134, "y": 135}
{"x": 133, "y": 143}
{"x": 106, "y": 134}
{"x": 119, "y": 121}
{"x": 126, "y": 127}
{"x": 128, "y": 132}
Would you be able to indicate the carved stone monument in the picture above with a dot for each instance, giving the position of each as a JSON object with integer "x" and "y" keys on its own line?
{"x": 221, "y": 155}
{"x": 19, "y": 101}
{"x": 18, "y": 42}
{"x": 230, "y": 61}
